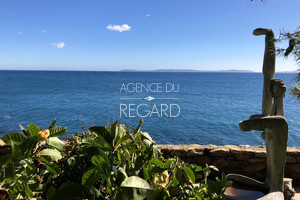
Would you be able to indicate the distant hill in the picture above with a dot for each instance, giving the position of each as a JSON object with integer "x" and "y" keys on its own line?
{"x": 289, "y": 72}
{"x": 189, "y": 70}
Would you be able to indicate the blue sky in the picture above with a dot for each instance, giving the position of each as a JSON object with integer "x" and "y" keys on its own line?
{"x": 141, "y": 34}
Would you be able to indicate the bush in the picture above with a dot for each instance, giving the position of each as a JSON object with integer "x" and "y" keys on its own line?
{"x": 110, "y": 162}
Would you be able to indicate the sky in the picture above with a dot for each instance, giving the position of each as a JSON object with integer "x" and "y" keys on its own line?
{"x": 141, "y": 34}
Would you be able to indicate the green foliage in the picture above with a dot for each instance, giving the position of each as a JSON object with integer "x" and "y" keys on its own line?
{"x": 295, "y": 90}
{"x": 293, "y": 49}
{"x": 110, "y": 162}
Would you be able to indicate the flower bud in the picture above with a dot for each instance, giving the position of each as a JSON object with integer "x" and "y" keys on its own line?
{"x": 43, "y": 134}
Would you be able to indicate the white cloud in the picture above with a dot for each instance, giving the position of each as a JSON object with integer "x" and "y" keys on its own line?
{"x": 20, "y": 32}
{"x": 148, "y": 15}
{"x": 120, "y": 28}
{"x": 42, "y": 31}
{"x": 59, "y": 45}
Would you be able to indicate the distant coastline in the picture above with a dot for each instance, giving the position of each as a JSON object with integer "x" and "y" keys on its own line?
{"x": 155, "y": 70}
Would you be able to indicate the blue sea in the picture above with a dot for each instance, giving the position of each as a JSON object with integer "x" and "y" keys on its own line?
{"x": 177, "y": 107}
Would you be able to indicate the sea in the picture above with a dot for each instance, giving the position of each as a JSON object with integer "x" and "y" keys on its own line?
{"x": 176, "y": 107}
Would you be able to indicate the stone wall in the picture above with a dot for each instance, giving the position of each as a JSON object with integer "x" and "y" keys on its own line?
{"x": 245, "y": 160}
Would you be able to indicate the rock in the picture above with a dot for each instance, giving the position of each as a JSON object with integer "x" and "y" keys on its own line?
{"x": 220, "y": 163}
{"x": 292, "y": 171}
{"x": 194, "y": 153}
{"x": 2, "y": 143}
{"x": 257, "y": 160}
{"x": 260, "y": 154}
{"x": 220, "y": 151}
{"x": 290, "y": 159}
{"x": 242, "y": 157}
{"x": 255, "y": 167}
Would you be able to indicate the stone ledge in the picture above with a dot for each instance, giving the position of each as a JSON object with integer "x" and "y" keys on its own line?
{"x": 244, "y": 159}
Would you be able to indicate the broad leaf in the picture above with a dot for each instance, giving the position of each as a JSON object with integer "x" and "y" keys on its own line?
{"x": 190, "y": 174}
{"x": 101, "y": 164}
{"x": 122, "y": 170}
{"x": 90, "y": 177}
{"x": 102, "y": 131}
{"x": 122, "y": 139}
{"x": 51, "y": 154}
{"x": 52, "y": 168}
{"x": 157, "y": 162}
{"x": 57, "y": 131}
{"x": 56, "y": 143}
{"x": 28, "y": 144}
{"x": 16, "y": 152}
{"x": 52, "y": 124}
{"x": 24, "y": 131}
{"x": 17, "y": 138}
{"x": 135, "y": 188}
{"x": 147, "y": 136}
{"x": 119, "y": 134}
{"x": 33, "y": 130}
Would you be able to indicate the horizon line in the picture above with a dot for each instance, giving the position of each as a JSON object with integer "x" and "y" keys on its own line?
{"x": 154, "y": 70}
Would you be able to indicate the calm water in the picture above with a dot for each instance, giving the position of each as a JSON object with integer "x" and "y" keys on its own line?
{"x": 211, "y": 104}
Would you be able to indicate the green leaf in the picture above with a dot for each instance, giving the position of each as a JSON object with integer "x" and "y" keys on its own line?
{"x": 123, "y": 139}
{"x": 119, "y": 133}
{"x": 52, "y": 168}
{"x": 144, "y": 173}
{"x": 198, "y": 169}
{"x": 51, "y": 154}
{"x": 90, "y": 177}
{"x": 147, "y": 136}
{"x": 56, "y": 143}
{"x": 28, "y": 192}
{"x": 28, "y": 143}
{"x": 101, "y": 164}
{"x": 73, "y": 192}
{"x": 156, "y": 151}
{"x": 139, "y": 127}
{"x": 135, "y": 188}
{"x": 17, "y": 138}
{"x": 101, "y": 142}
{"x": 30, "y": 168}
{"x": 57, "y": 131}
{"x": 139, "y": 162}
{"x": 102, "y": 131}
{"x": 33, "y": 130}
{"x": 157, "y": 163}
{"x": 213, "y": 167}
{"x": 103, "y": 155}
{"x": 9, "y": 169}
{"x": 24, "y": 131}
{"x": 41, "y": 159}
{"x": 190, "y": 174}
{"x": 52, "y": 124}
{"x": 178, "y": 175}
{"x": 34, "y": 183}
{"x": 122, "y": 170}
{"x": 114, "y": 132}
{"x": 16, "y": 152}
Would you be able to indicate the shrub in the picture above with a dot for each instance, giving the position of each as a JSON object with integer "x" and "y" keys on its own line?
{"x": 110, "y": 162}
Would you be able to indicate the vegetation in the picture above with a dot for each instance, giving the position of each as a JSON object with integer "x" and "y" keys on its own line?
{"x": 294, "y": 50}
{"x": 110, "y": 162}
